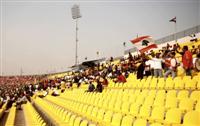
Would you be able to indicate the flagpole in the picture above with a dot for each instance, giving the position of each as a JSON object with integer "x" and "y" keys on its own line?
{"x": 175, "y": 30}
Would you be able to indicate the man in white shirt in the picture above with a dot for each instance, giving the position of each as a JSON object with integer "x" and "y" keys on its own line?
{"x": 157, "y": 65}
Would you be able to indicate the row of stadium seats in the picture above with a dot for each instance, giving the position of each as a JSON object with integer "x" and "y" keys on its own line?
{"x": 130, "y": 95}
{"x": 32, "y": 118}
{"x": 159, "y": 83}
{"x": 11, "y": 117}
{"x": 111, "y": 117}
{"x": 63, "y": 116}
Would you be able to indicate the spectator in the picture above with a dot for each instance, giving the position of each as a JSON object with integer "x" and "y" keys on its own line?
{"x": 140, "y": 70}
{"x": 91, "y": 87}
{"x": 172, "y": 66}
{"x": 197, "y": 63}
{"x": 157, "y": 65}
{"x": 99, "y": 87}
{"x": 187, "y": 61}
{"x": 121, "y": 78}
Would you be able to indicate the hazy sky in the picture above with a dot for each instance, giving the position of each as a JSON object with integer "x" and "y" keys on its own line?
{"x": 39, "y": 36}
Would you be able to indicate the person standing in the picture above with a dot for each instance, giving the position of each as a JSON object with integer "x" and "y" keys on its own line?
{"x": 172, "y": 66}
{"x": 187, "y": 61}
{"x": 157, "y": 65}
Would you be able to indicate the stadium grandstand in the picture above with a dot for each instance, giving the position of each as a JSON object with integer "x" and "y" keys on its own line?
{"x": 125, "y": 91}
{"x": 153, "y": 83}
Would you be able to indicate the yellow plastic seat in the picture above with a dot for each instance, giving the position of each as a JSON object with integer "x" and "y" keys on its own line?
{"x": 127, "y": 120}
{"x": 145, "y": 112}
{"x": 197, "y": 107}
{"x": 195, "y": 95}
{"x": 117, "y": 106}
{"x": 116, "y": 119}
{"x": 169, "y": 84}
{"x": 179, "y": 84}
{"x": 77, "y": 121}
{"x": 161, "y": 93}
{"x": 161, "y": 83}
{"x": 153, "y": 84}
{"x": 157, "y": 114}
{"x": 140, "y": 99}
{"x": 173, "y": 116}
{"x": 94, "y": 113}
{"x": 171, "y": 93}
{"x": 100, "y": 115}
{"x": 149, "y": 101}
{"x": 192, "y": 118}
{"x": 71, "y": 120}
{"x": 140, "y": 122}
{"x": 171, "y": 102}
{"x": 108, "y": 117}
{"x": 84, "y": 123}
{"x": 159, "y": 101}
{"x": 134, "y": 109}
{"x": 89, "y": 111}
{"x": 198, "y": 85}
{"x": 190, "y": 84}
{"x": 183, "y": 94}
{"x": 186, "y": 104}
{"x": 125, "y": 107}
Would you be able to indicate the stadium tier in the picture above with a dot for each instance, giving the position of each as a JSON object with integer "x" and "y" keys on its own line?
{"x": 123, "y": 100}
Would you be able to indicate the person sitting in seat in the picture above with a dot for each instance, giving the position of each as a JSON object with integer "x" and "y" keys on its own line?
{"x": 91, "y": 87}
{"x": 99, "y": 87}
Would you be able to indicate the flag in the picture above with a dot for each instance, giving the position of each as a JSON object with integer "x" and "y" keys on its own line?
{"x": 144, "y": 43}
{"x": 173, "y": 20}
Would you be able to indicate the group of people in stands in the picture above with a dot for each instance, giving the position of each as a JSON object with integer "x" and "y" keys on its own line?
{"x": 164, "y": 63}
{"x": 160, "y": 64}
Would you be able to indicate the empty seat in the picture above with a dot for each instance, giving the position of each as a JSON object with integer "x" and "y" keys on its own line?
{"x": 125, "y": 107}
{"x": 100, "y": 115}
{"x": 134, "y": 109}
{"x": 157, "y": 114}
{"x": 171, "y": 93}
{"x": 173, "y": 116}
{"x": 107, "y": 117}
{"x": 161, "y": 83}
{"x": 159, "y": 101}
{"x": 195, "y": 95}
{"x": 190, "y": 84}
{"x": 145, "y": 112}
{"x": 183, "y": 94}
{"x": 71, "y": 120}
{"x": 171, "y": 102}
{"x": 127, "y": 120}
{"x": 179, "y": 84}
{"x": 77, "y": 121}
{"x": 84, "y": 123}
{"x": 116, "y": 119}
{"x": 169, "y": 84}
{"x": 186, "y": 104}
{"x": 140, "y": 122}
{"x": 192, "y": 118}
{"x": 197, "y": 107}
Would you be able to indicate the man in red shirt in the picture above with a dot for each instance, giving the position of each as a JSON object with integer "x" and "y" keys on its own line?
{"x": 121, "y": 78}
{"x": 187, "y": 61}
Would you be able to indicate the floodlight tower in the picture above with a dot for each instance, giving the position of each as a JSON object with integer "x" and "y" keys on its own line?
{"x": 76, "y": 15}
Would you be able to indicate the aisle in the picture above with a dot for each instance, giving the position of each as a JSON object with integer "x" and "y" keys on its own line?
{"x": 4, "y": 118}
{"x": 19, "y": 118}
